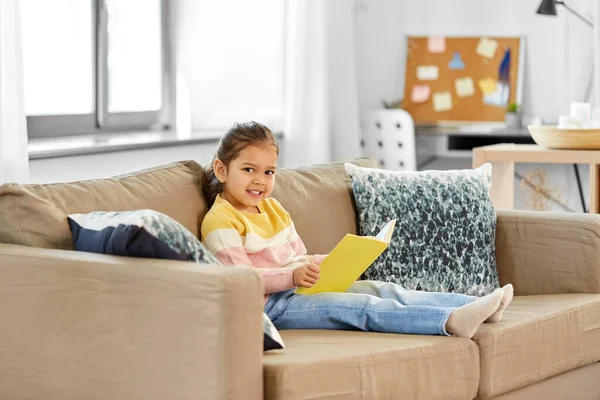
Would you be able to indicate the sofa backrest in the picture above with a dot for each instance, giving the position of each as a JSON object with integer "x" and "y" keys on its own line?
{"x": 36, "y": 215}
{"x": 319, "y": 199}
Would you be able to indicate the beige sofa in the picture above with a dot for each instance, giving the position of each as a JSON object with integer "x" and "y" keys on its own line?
{"x": 88, "y": 326}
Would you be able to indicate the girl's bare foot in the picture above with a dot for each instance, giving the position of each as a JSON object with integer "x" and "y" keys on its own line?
{"x": 464, "y": 321}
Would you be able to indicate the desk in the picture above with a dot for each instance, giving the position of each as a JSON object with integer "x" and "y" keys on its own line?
{"x": 460, "y": 140}
{"x": 503, "y": 157}
{"x": 483, "y": 130}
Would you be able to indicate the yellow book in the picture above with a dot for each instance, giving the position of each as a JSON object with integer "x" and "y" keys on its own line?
{"x": 349, "y": 259}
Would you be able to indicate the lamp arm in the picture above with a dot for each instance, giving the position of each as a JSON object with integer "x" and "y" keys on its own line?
{"x": 581, "y": 17}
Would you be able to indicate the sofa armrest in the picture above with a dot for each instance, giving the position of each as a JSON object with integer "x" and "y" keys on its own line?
{"x": 547, "y": 253}
{"x": 79, "y": 325}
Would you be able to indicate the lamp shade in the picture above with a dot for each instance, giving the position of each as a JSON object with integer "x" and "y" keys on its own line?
{"x": 547, "y": 7}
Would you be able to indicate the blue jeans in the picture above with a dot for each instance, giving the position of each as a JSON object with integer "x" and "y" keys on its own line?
{"x": 367, "y": 306}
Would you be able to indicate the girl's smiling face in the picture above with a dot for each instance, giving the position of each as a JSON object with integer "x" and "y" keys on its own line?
{"x": 249, "y": 178}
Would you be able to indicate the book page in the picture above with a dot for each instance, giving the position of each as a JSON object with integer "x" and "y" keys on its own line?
{"x": 345, "y": 263}
{"x": 349, "y": 259}
{"x": 386, "y": 232}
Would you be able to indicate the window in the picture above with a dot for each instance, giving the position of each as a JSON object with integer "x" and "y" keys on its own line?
{"x": 94, "y": 65}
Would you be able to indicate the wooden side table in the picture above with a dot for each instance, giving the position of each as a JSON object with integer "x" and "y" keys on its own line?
{"x": 504, "y": 156}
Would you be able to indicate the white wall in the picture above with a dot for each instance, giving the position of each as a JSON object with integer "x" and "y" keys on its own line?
{"x": 94, "y": 166}
{"x": 229, "y": 54}
{"x": 557, "y": 62}
{"x": 67, "y": 169}
{"x": 556, "y": 65}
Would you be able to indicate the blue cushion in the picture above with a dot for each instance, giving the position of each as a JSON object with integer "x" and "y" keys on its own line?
{"x": 139, "y": 233}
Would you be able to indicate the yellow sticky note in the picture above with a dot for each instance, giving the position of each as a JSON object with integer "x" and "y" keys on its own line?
{"x": 427, "y": 72}
{"x": 487, "y": 47}
{"x": 464, "y": 87}
{"x": 487, "y": 85}
{"x": 436, "y": 44}
{"x": 420, "y": 93}
{"x": 442, "y": 101}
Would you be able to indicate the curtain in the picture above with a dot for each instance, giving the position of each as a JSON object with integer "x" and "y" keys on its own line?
{"x": 14, "y": 163}
{"x": 321, "y": 116}
{"x": 596, "y": 52}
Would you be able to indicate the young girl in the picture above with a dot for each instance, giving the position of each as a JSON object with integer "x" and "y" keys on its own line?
{"x": 246, "y": 226}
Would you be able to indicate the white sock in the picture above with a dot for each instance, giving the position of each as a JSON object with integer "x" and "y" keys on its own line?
{"x": 464, "y": 321}
{"x": 507, "y": 296}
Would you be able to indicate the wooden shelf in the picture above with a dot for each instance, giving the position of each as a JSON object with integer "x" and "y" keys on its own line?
{"x": 503, "y": 157}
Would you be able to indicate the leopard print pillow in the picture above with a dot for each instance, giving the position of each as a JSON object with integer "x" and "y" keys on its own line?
{"x": 445, "y": 229}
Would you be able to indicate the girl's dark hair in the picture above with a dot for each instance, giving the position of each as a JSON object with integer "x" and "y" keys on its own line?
{"x": 238, "y": 137}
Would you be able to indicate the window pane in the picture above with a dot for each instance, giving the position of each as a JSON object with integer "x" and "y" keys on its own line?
{"x": 134, "y": 55}
{"x": 58, "y": 56}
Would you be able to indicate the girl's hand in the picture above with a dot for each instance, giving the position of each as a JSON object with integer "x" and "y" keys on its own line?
{"x": 306, "y": 275}
{"x": 316, "y": 258}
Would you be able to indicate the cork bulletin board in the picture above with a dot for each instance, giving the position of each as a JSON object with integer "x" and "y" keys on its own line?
{"x": 462, "y": 79}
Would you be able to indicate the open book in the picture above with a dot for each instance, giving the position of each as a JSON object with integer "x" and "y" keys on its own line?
{"x": 349, "y": 259}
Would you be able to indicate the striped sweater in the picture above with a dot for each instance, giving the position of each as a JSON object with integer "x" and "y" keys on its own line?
{"x": 267, "y": 241}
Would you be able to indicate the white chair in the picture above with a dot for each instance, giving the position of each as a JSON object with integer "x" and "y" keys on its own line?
{"x": 389, "y": 136}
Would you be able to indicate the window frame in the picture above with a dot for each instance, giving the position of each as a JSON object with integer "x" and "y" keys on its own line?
{"x": 101, "y": 121}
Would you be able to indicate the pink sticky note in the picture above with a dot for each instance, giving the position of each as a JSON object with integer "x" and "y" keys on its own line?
{"x": 420, "y": 93}
{"x": 436, "y": 44}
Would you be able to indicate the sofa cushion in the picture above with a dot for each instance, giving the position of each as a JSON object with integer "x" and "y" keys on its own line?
{"x": 538, "y": 337}
{"x": 319, "y": 200}
{"x": 445, "y": 229}
{"x": 139, "y": 233}
{"x": 36, "y": 215}
{"x": 579, "y": 383}
{"x": 359, "y": 365}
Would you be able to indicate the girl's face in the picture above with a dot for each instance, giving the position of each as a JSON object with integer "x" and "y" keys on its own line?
{"x": 249, "y": 178}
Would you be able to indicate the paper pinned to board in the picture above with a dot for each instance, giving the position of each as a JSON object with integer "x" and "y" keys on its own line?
{"x": 456, "y": 62}
{"x": 464, "y": 87}
{"x": 487, "y": 47}
{"x": 487, "y": 85}
{"x": 442, "y": 101}
{"x": 427, "y": 72}
{"x": 436, "y": 44}
{"x": 420, "y": 93}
